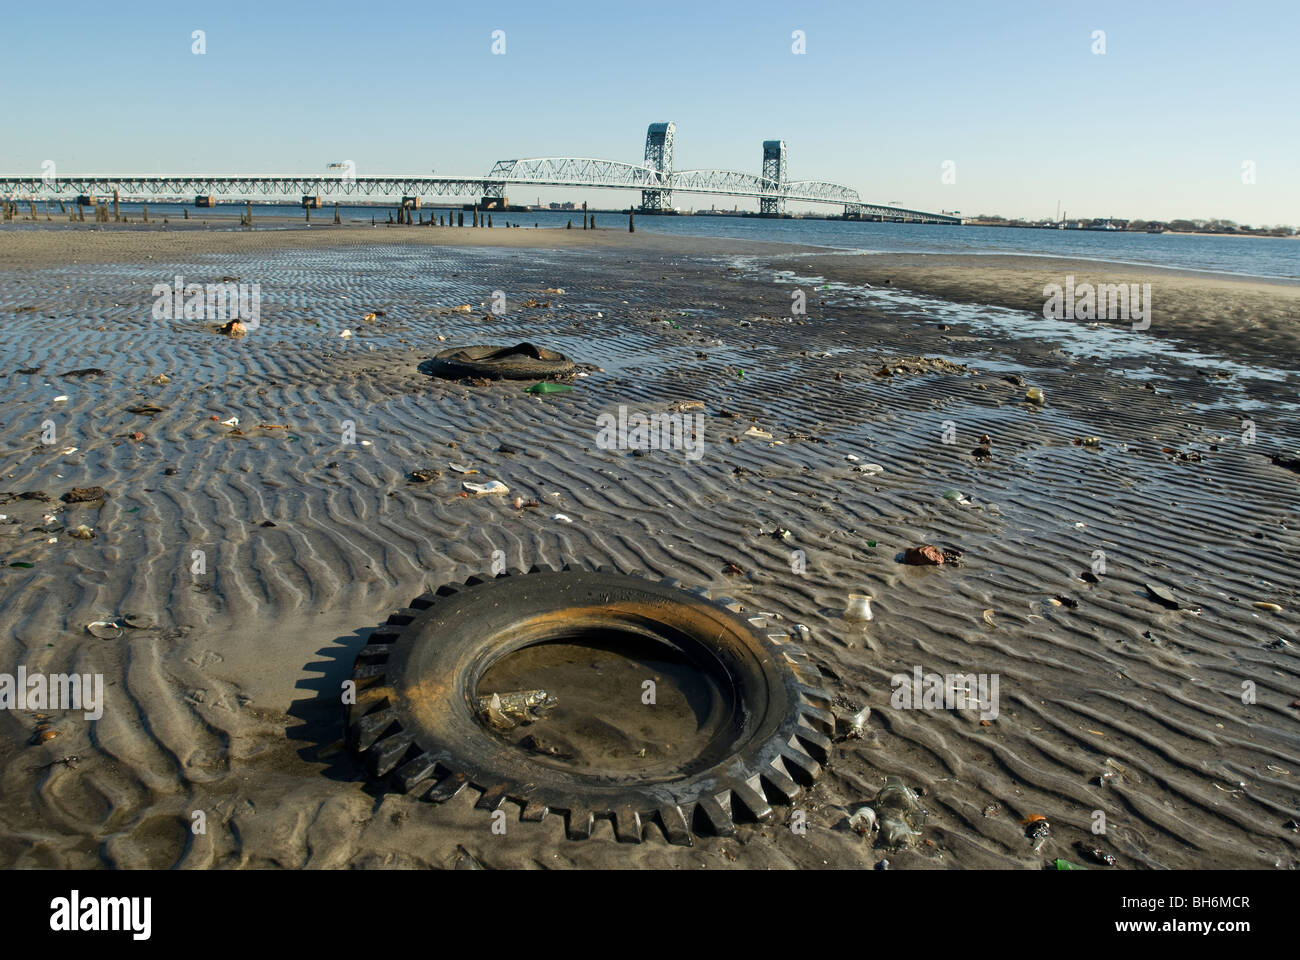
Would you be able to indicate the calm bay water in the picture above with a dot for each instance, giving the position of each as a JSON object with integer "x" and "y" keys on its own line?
{"x": 1252, "y": 256}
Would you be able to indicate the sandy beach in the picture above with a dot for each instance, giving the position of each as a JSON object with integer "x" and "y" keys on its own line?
{"x": 257, "y": 556}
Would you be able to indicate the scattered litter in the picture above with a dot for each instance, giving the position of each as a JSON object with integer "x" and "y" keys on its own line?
{"x": 562, "y": 518}
{"x": 559, "y": 291}
{"x": 858, "y": 608}
{"x": 1265, "y": 605}
{"x": 855, "y": 725}
{"x": 1066, "y": 865}
{"x": 1087, "y": 442}
{"x": 61, "y": 398}
{"x": 734, "y": 569}
{"x": 862, "y": 821}
{"x": 70, "y": 451}
{"x": 232, "y": 422}
{"x": 921, "y": 556}
{"x": 346, "y": 334}
{"x": 956, "y": 496}
{"x": 871, "y": 469}
{"x": 424, "y": 476}
{"x": 1095, "y": 854}
{"x": 756, "y": 432}
{"x": 463, "y": 308}
{"x": 104, "y": 629}
{"x": 1037, "y": 829}
{"x": 462, "y": 468}
{"x": 546, "y": 386}
{"x": 1035, "y": 395}
{"x": 522, "y": 504}
{"x": 988, "y": 618}
{"x": 82, "y": 532}
{"x": 233, "y": 328}
{"x": 491, "y": 488}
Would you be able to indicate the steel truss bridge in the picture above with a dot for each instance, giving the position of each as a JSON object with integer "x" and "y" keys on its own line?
{"x": 655, "y": 178}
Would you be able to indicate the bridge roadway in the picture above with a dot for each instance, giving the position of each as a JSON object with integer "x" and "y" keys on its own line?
{"x": 542, "y": 172}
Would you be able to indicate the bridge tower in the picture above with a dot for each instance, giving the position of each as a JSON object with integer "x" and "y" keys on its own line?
{"x": 774, "y": 179}
{"x": 659, "y": 157}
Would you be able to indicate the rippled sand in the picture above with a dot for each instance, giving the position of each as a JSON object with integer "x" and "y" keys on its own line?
{"x": 229, "y": 705}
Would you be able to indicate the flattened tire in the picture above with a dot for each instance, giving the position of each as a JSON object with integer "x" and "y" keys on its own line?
{"x": 415, "y": 722}
{"x": 524, "y": 361}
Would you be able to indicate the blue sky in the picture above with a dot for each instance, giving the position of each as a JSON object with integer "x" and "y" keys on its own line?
{"x": 1158, "y": 126}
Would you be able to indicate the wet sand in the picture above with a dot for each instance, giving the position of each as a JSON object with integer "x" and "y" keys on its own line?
{"x": 230, "y": 703}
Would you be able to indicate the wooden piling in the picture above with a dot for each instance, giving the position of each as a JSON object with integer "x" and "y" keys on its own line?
{"x": 631, "y": 224}
{"x": 115, "y": 216}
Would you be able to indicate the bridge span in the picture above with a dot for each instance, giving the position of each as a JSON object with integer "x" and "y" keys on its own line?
{"x": 654, "y": 177}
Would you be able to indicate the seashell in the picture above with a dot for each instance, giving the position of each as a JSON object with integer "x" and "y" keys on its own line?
{"x": 491, "y": 488}
{"x": 104, "y": 629}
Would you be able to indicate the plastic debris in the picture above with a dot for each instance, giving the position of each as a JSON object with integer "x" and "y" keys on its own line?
{"x": 489, "y": 489}
{"x": 547, "y": 386}
{"x": 562, "y": 518}
{"x": 862, "y": 821}
{"x": 82, "y": 532}
{"x": 462, "y": 468}
{"x": 1035, "y": 395}
{"x": 61, "y": 398}
{"x": 1265, "y": 605}
{"x": 855, "y": 725}
{"x": 1067, "y": 865}
{"x": 232, "y": 422}
{"x": 760, "y": 434}
{"x": 104, "y": 629}
{"x": 346, "y": 334}
{"x": 858, "y": 609}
